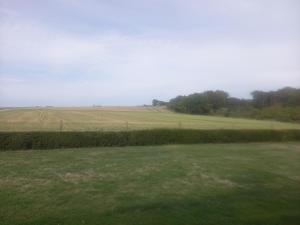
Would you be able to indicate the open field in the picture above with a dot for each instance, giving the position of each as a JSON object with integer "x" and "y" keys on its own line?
{"x": 120, "y": 118}
{"x": 178, "y": 184}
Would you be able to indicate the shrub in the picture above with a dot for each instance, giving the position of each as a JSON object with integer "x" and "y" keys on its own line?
{"x": 52, "y": 140}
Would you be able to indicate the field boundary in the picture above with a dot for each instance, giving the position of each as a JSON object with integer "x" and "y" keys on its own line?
{"x": 54, "y": 140}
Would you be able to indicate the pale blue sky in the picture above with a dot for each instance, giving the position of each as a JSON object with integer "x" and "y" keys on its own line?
{"x": 114, "y": 52}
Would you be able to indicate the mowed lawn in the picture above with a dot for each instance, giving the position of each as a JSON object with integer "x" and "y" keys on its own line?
{"x": 121, "y": 118}
{"x": 214, "y": 184}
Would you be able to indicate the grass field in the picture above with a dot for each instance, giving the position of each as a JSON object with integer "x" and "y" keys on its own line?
{"x": 120, "y": 118}
{"x": 212, "y": 184}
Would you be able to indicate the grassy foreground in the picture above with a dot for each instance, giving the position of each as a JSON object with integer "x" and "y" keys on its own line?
{"x": 177, "y": 184}
{"x": 120, "y": 119}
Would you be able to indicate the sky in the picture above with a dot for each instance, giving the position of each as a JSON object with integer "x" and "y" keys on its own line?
{"x": 116, "y": 52}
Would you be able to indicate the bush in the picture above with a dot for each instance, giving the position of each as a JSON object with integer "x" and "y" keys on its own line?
{"x": 52, "y": 140}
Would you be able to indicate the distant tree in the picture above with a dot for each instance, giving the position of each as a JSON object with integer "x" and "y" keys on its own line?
{"x": 200, "y": 103}
{"x": 156, "y": 102}
{"x": 285, "y": 97}
{"x": 283, "y": 104}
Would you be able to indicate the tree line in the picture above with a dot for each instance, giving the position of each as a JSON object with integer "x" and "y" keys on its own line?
{"x": 282, "y": 104}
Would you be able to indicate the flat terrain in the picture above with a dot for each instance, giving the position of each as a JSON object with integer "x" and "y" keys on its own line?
{"x": 120, "y": 118}
{"x": 178, "y": 184}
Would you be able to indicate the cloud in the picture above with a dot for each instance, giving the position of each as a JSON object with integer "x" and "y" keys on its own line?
{"x": 42, "y": 64}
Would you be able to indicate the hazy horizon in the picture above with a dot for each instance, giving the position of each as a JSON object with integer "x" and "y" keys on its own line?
{"x": 120, "y": 105}
{"x": 83, "y": 53}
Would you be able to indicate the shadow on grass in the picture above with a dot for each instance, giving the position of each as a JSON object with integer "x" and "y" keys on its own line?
{"x": 234, "y": 207}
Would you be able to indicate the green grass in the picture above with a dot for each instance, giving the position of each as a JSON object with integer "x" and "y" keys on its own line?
{"x": 214, "y": 184}
{"x": 121, "y": 118}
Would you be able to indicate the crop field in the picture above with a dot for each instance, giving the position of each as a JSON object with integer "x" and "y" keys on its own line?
{"x": 120, "y": 118}
{"x": 213, "y": 184}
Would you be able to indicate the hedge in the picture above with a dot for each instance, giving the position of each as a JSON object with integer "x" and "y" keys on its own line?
{"x": 54, "y": 140}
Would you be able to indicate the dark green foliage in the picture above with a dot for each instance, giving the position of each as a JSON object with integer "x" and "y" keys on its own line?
{"x": 282, "y": 105}
{"x": 285, "y": 97}
{"x": 156, "y": 102}
{"x": 280, "y": 113}
{"x": 277, "y": 112}
{"x": 199, "y": 103}
{"x": 51, "y": 140}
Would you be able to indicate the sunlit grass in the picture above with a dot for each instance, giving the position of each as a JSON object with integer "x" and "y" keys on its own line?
{"x": 121, "y": 118}
{"x": 178, "y": 184}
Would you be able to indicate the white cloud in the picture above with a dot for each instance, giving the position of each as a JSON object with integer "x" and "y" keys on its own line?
{"x": 111, "y": 67}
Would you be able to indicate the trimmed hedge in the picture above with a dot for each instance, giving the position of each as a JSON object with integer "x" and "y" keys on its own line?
{"x": 54, "y": 140}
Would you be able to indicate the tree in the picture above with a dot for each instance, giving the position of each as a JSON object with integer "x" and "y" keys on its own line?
{"x": 200, "y": 103}
{"x": 156, "y": 102}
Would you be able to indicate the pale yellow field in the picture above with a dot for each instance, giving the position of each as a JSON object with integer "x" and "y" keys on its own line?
{"x": 120, "y": 118}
